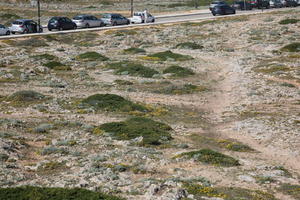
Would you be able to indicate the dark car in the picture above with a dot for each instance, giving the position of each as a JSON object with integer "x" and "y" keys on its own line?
{"x": 263, "y": 4}
{"x": 291, "y": 3}
{"x": 242, "y": 5}
{"x": 25, "y": 26}
{"x": 114, "y": 19}
{"x": 61, "y": 23}
{"x": 222, "y": 10}
{"x": 216, "y": 3}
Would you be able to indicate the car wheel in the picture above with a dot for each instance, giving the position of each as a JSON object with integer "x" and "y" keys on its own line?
{"x": 49, "y": 29}
{"x": 7, "y": 33}
{"x": 115, "y": 24}
{"x": 87, "y": 26}
{"x": 214, "y": 14}
{"x": 60, "y": 28}
{"x": 25, "y": 31}
{"x": 75, "y": 27}
{"x": 40, "y": 30}
{"x": 13, "y": 33}
{"x": 153, "y": 20}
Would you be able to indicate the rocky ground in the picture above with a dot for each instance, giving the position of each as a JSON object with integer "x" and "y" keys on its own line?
{"x": 236, "y": 96}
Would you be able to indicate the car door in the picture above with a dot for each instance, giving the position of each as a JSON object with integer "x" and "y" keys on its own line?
{"x": 89, "y": 21}
{"x": 2, "y": 29}
{"x": 69, "y": 23}
{"x": 96, "y": 21}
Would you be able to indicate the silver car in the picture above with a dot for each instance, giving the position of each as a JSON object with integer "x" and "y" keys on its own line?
{"x": 25, "y": 26}
{"x": 4, "y": 30}
{"x": 87, "y": 21}
{"x": 114, "y": 19}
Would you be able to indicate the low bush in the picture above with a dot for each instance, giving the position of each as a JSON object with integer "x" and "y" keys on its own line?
{"x": 153, "y": 132}
{"x": 189, "y": 45}
{"x": 55, "y": 65}
{"x": 123, "y": 82}
{"x": 38, "y": 193}
{"x": 169, "y": 55}
{"x": 26, "y": 96}
{"x": 134, "y": 50}
{"x": 32, "y": 42}
{"x": 53, "y": 150}
{"x": 45, "y": 57}
{"x": 209, "y": 156}
{"x": 234, "y": 146}
{"x": 133, "y": 69}
{"x": 293, "y": 47}
{"x": 180, "y": 89}
{"x": 292, "y": 190}
{"x": 178, "y": 71}
{"x": 91, "y": 56}
{"x": 112, "y": 102}
{"x": 289, "y": 21}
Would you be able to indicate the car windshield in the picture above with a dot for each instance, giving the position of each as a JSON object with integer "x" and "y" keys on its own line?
{"x": 17, "y": 23}
{"x": 78, "y": 18}
{"x": 106, "y": 16}
{"x": 54, "y": 19}
{"x": 138, "y": 14}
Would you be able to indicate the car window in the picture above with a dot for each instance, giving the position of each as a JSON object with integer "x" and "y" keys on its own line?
{"x": 1, "y": 26}
{"x": 67, "y": 20}
{"x": 94, "y": 18}
{"x": 107, "y": 16}
{"x": 78, "y": 18}
{"x": 54, "y": 19}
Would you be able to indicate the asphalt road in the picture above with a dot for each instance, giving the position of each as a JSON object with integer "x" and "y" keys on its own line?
{"x": 166, "y": 19}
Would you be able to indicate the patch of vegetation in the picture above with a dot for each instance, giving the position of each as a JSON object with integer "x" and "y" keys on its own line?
{"x": 178, "y": 71}
{"x": 32, "y": 42}
{"x": 45, "y": 57}
{"x": 292, "y": 190}
{"x": 112, "y": 102}
{"x": 226, "y": 193}
{"x": 189, "y": 45}
{"x": 209, "y": 156}
{"x": 55, "y": 65}
{"x": 38, "y": 193}
{"x": 169, "y": 55}
{"x": 134, "y": 50}
{"x": 133, "y": 69}
{"x": 26, "y": 96}
{"x": 153, "y": 132}
{"x": 91, "y": 56}
{"x": 124, "y": 32}
{"x": 123, "y": 82}
{"x": 272, "y": 69}
{"x": 180, "y": 89}
{"x": 293, "y": 47}
{"x": 264, "y": 179}
{"x": 53, "y": 165}
{"x": 288, "y": 85}
{"x": 234, "y": 146}
{"x": 53, "y": 150}
{"x": 289, "y": 21}
{"x": 284, "y": 170}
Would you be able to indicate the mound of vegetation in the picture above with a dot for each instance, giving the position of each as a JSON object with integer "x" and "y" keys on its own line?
{"x": 189, "y": 45}
{"x": 26, "y": 96}
{"x": 32, "y": 42}
{"x": 180, "y": 89}
{"x": 226, "y": 193}
{"x": 57, "y": 66}
{"x": 91, "y": 56}
{"x": 235, "y": 146}
{"x": 153, "y": 133}
{"x": 133, "y": 69}
{"x": 38, "y": 193}
{"x": 293, "y": 47}
{"x": 292, "y": 190}
{"x": 289, "y": 21}
{"x": 178, "y": 71}
{"x": 112, "y": 102}
{"x": 169, "y": 55}
{"x": 45, "y": 57}
{"x": 209, "y": 156}
{"x": 134, "y": 50}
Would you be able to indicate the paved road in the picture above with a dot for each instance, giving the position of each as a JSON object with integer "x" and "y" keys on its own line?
{"x": 203, "y": 14}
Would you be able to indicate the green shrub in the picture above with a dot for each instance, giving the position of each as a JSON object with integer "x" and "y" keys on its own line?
{"x": 153, "y": 133}
{"x": 112, "y": 102}
{"x": 189, "y": 45}
{"x": 57, "y": 66}
{"x": 45, "y": 57}
{"x": 180, "y": 89}
{"x": 133, "y": 69}
{"x": 53, "y": 150}
{"x": 234, "y": 146}
{"x": 26, "y": 96}
{"x": 169, "y": 55}
{"x": 292, "y": 190}
{"x": 178, "y": 71}
{"x": 91, "y": 56}
{"x": 200, "y": 190}
{"x": 43, "y": 193}
{"x": 289, "y": 21}
{"x": 209, "y": 156}
{"x": 134, "y": 50}
{"x": 32, "y": 42}
{"x": 123, "y": 82}
{"x": 293, "y": 47}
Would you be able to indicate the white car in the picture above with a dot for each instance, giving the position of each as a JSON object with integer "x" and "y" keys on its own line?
{"x": 4, "y": 30}
{"x": 139, "y": 17}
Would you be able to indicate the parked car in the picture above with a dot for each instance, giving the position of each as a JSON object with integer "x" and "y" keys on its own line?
{"x": 222, "y": 10}
{"x": 283, "y": 3}
{"x": 242, "y": 5}
{"x": 216, "y": 3}
{"x": 4, "y": 30}
{"x": 263, "y": 4}
{"x": 139, "y": 17}
{"x": 87, "y": 21}
{"x": 291, "y": 3}
{"x": 114, "y": 19}
{"x": 276, "y": 4}
{"x": 25, "y": 26}
{"x": 61, "y": 23}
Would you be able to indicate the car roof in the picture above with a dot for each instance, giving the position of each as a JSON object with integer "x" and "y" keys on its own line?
{"x": 83, "y": 15}
{"x": 23, "y": 20}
